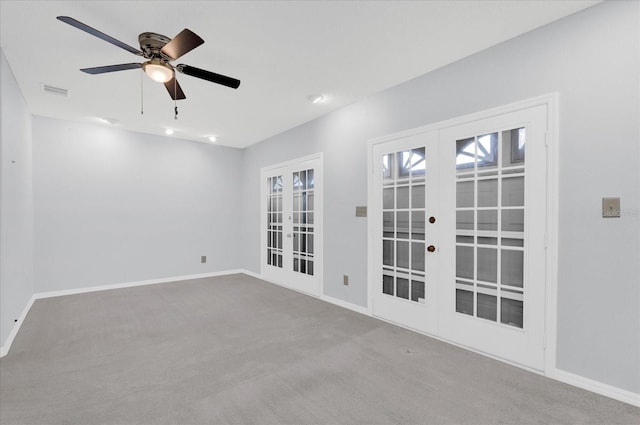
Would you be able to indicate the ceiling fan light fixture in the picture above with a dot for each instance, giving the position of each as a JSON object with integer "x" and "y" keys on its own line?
{"x": 158, "y": 70}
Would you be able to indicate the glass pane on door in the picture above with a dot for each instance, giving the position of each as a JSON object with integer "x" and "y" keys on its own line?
{"x": 274, "y": 221}
{"x": 303, "y": 221}
{"x": 490, "y": 243}
{"x": 403, "y": 234}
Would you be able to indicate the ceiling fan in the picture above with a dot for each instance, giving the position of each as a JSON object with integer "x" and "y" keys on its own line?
{"x": 159, "y": 51}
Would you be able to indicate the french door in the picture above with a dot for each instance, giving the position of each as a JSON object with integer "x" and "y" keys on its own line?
{"x": 291, "y": 224}
{"x": 406, "y": 182}
{"x": 458, "y": 233}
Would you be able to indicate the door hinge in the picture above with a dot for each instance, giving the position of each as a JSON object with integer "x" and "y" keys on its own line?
{"x": 546, "y": 240}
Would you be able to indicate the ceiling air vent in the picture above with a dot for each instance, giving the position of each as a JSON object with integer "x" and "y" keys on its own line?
{"x": 54, "y": 90}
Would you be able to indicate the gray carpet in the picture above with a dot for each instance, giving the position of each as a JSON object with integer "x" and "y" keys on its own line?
{"x": 236, "y": 350}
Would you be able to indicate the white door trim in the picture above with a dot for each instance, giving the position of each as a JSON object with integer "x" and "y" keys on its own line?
{"x": 551, "y": 226}
{"x": 317, "y": 155}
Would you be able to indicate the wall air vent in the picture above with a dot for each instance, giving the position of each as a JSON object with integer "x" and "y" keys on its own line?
{"x": 54, "y": 90}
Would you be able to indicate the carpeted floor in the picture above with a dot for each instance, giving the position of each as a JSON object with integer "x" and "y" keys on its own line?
{"x": 236, "y": 350}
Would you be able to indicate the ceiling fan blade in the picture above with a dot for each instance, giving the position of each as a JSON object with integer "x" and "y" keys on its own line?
{"x": 173, "y": 87}
{"x": 99, "y": 34}
{"x": 111, "y": 68}
{"x": 182, "y": 43}
{"x": 209, "y": 76}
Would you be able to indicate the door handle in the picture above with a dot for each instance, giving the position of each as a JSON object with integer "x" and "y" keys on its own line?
{"x": 431, "y": 248}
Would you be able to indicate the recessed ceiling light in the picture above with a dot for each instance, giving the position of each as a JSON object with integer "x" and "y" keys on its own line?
{"x": 315, "y": 98}
{"x": 168, "y": 131}
{"x": 212, "y": 138}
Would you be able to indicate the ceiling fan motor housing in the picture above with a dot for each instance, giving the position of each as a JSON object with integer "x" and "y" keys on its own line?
{"x": 151, "y": 43}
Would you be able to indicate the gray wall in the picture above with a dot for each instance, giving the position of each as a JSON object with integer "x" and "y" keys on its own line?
{"x": 111, "y": 206}
{"x": 114, "y": 206}
{"x": 16, "y": 202}
{"x": 592, "y": 60}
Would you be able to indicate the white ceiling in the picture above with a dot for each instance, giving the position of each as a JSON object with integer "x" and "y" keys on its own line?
{"x": 282, "y": 51}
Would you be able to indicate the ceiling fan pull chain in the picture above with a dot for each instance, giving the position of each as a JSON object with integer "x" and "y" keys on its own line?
{"x": 141, "y": 95}
{"x": 175, "y": 96}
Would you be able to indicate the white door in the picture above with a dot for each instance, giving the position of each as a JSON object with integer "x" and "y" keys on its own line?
{"x": 493, "y": 258}
{"x": 406, "y": 179}
{"x": 484, "y": 219}
{"x": 291, "y": 223}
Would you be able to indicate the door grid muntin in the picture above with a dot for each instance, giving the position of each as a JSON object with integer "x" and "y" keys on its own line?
{"x": 403, "y": 233}
{"x": 274, "y": 221}
{"x": 490, "y": 220}
{"x": 303, "y": 221}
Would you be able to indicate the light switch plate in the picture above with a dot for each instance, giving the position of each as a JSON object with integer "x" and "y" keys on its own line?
{"x": 361, "y": 211}
{"x": 610, "y": 207}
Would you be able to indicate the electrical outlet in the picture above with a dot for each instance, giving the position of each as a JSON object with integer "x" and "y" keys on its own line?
{"x": 610, "y": 207}
{"x": 203, "y": 259}
{"x": 345, "y": 279}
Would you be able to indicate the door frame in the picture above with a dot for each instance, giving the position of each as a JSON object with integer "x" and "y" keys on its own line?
{"x": 318, "y": 216}
{"x": 551, "y": 102}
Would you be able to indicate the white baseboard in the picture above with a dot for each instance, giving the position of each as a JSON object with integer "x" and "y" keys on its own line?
{"x": 252, "y": 274}
{"x": 557, "y": 374}
{"x": 596, "y": 387}
{"x": 51, "y": 294}
{"x": 345, "y": 304}
{"x": 4, "y": 349}
{"x": 274, "y": 282}
{"x": 322, "y": 297}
